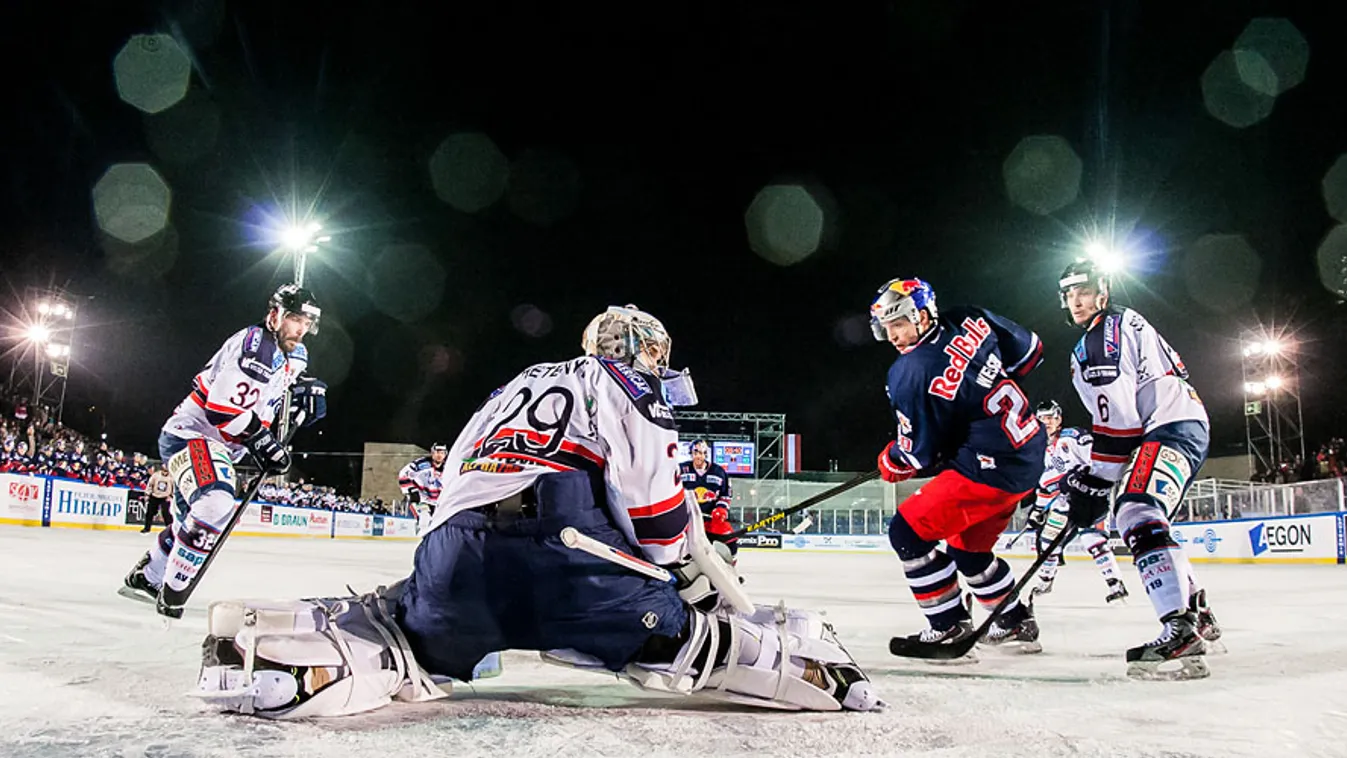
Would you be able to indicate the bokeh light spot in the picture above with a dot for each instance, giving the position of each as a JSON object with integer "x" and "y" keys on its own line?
{"x": 544, "y": 187}
{"x": 1332, "y": 259}
{"x": 530, "y": 320}
{"x": 1042, "y": 174}
{"x": 1335, "y": 189}
{"x": 1221, "y": 272}
{"x": 406, "y": 282}
{"x": 469, "y": 172}
{"x": 785, "y": 223}
{"x": 1282, "y": 50}
{"x": 152, "y": 72}
{"x": 131, "y": 202}
{"x": 1228, "y": 98}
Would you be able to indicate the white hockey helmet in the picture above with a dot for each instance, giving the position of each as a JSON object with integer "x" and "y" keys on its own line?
{"x": 629, "y": 334}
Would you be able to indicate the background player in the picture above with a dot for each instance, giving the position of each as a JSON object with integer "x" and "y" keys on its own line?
{"x": 961, "y": 417}
{"x": 710, "y": 487}
{"x": 228, "y": 413}
{"x": 1068, "y": 449}
{"x": 420, "y": 483}
{"x": 1151, "y": 435}
{"x": 589, "y": 444}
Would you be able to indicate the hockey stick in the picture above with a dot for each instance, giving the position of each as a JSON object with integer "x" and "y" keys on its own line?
{"x": 807, "y": 502}
{"x": 937, "y": 651}
{"x": 573, "y": 539}
{"x": 160, "y": 606}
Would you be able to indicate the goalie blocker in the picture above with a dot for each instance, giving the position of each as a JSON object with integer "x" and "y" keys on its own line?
{"x": 340, "y": 656}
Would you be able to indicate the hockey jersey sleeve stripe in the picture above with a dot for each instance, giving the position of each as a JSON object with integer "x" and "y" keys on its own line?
{"x": 1030, "y": 360}
{"x": 1112, "y": 432}
{"x": 1109, "y": 445}
{"x": 656, "y": 509}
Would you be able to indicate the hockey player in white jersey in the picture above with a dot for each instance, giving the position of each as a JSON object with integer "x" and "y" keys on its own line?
{"x": 1150, "y": 437}
{"x": 587, "y": 444}
{"x": 420, "y": 482}
{"x": 1068, "y": 449}
{"x": 228, "y": 413}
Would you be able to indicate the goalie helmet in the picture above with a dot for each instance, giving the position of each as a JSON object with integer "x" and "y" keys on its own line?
{"x": 1082, "y": 272}
{"x": 630, "y": 335}
{"x": 901, "y": 298}
{"x": 292, "y": 298}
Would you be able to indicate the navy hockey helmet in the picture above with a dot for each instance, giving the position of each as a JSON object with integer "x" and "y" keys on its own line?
{"x": 1082, "y": 272}
{"x": 292, "y": 298}
{"x": 901, "y": 298}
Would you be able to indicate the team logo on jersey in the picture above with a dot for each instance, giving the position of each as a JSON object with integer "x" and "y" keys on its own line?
{"x": 961, "y": 349}
{"x": 1112, "y": 336}
{"x": 986, "y": 461}
{"x": 253, "y": 341}
{"x": 650, "y": 619}
{"x": 1081, "y": 354}
{"x": 631, "y": 382}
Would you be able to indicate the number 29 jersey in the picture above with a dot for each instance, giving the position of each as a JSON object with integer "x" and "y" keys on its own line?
{"x": 589, "y": 414}
{"x": 958, "y": 406}
{"x": 242, "y": 385}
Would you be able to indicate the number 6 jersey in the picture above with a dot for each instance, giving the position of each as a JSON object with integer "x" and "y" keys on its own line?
{"x": 590, "y": 414}
{"x": 246, "y": 378}
{"x": 1131, "y": 381}
{"x": 958, "y": 406}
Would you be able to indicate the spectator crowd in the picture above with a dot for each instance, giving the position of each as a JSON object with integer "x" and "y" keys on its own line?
{"x": 1327, "y": 463}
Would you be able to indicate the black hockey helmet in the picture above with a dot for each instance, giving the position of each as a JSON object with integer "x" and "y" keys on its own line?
{"x": 1081, "y": 272}
{"x": 292, "y": 298}
{"x": 1048, "y": 409}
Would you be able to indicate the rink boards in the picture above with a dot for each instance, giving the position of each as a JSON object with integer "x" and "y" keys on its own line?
{"x": 53, "y": 502}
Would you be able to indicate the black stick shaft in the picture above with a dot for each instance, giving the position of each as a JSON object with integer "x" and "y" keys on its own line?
{"x": 808, "y": 502}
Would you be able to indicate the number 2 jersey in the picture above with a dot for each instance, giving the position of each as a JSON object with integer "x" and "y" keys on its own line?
{"x": 589, "y": 414}
{"x": 240, "y": 389}
{"x": 1131, "y": 381}
{"x": 958, "y": 406}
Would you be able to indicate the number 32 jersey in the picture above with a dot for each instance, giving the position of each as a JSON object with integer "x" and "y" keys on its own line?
{"x": 958, "y": 406}
{"x": 589, "y": 414}
{"x": 245, "y": 380}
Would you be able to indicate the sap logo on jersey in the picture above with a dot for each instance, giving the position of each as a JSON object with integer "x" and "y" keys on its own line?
{"x": 1279, "y": 538}
{"x": 960, "y": 350}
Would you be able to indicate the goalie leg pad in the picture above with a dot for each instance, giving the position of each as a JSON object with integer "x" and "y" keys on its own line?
{"x": 771, "y": 658}
{"x": 308, "y": 658}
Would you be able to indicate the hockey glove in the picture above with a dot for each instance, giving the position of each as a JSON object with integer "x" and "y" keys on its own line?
{"x": 310, "y": 396}
{"x": 695, "y": 587}
{"x": 891, "y": 471}
{"x": 413, "y": 497}
{"x": 267, "y": 452}
{"x": 1036, "y": 518}
{"x": 1087, "y": 495}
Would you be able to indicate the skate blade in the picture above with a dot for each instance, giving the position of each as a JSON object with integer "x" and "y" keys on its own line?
{"x": 1013, "y": 647}
{"x": 966, "y": 660}
{"x": 139, "y": 597}
{"x": 1176, "y": 670}
{"x": 1217, "y": 647}
{"x": 1117, "y": 602}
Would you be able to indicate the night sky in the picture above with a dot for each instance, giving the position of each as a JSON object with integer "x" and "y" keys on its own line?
{"x": 638, "y": 137}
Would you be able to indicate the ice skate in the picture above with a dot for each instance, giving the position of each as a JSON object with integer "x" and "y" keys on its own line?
{"x": 1015, "y": 635}
{"x": 1117, "y": 592}
{"x": 136, "y": 586}
{"x": 961, "y": 631}
{"x": 1207, "y": 625}
{"x": 1179, "y": 643}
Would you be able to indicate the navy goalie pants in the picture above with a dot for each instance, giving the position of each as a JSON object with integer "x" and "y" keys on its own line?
{"x": 483, "y": 583}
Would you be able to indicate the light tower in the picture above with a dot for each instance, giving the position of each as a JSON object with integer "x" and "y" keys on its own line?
{"x": 1273, "y": 423}
{"x": 41, "y": 362}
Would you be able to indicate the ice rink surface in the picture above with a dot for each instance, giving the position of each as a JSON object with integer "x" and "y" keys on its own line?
{"x": 84, "y": 672}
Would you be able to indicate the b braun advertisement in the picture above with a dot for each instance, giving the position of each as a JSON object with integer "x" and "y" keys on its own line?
{"x": 86, "y": 505}
{"x": 1317, "y": 538}
{"x": 21, "y": 499}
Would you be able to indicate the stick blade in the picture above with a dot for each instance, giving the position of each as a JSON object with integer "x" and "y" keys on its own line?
{"x": 905, "y": 647}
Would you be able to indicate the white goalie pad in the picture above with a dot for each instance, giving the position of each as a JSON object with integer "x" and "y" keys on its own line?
{"x": 771, "y": 658}
{"x": 717, "y": 571}
{"x": 308, "y": 658}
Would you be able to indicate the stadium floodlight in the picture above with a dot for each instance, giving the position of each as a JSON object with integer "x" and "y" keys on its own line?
{"x": 38, "y": 333}
{"x": 43, "y": 307}
{"x": 1274, "y": 383}
{"x": 1255, "y": 388}
{"x": 1108, "y": 258}
{"x": 302, "y": 239}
